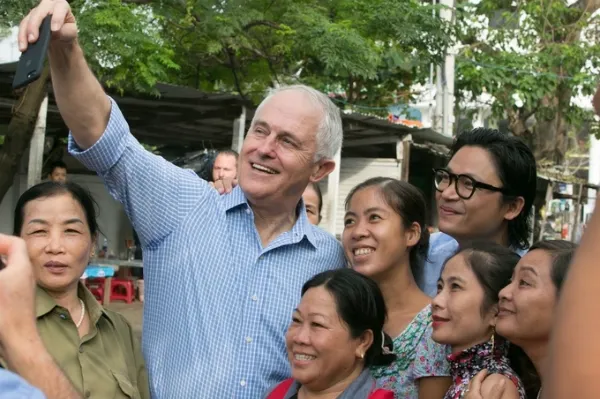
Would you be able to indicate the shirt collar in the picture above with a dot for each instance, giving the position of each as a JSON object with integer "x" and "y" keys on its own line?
{"x": 44, "y": 303}
{"x": 235, "y": 198}
{"x": 363, "y": 385}
{"x": 302, "y": 228}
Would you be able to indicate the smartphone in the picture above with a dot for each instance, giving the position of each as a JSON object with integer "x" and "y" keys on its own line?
{"x": 31, "y": 63}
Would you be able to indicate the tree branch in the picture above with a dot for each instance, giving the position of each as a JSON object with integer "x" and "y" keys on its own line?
{"x": 269, "y": 24}
{"x": 236, "y": 79}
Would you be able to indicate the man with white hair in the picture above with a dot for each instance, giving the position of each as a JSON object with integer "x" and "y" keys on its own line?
{"x": 223, "y": 273}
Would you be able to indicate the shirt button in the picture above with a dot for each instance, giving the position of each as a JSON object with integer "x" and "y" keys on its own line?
{"x": 248, "y": 339}
{"x": 243, "y": 383}
{"x": 63, "y": 316}
{"x": 88, "y": 394}
{"x": 254, "y": 298}
{"x": 247, "y": 210}
{"x": 81, "y": 349}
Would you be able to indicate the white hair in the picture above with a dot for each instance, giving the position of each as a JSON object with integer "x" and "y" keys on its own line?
{"x": 330, "y": 132}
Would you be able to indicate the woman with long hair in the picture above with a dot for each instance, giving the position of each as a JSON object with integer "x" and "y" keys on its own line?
{"x": 465, "y": 313}
{"x": 386, "y": 239}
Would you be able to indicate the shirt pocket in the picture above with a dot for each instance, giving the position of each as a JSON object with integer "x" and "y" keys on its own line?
{"x": 125, "y": 390}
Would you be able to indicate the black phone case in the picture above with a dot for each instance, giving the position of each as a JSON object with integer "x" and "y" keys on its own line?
{"x": 32, "y": 60}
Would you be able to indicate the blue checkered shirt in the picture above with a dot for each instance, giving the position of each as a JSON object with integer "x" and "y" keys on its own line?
{"x": 14, "y": 387}
{"x": 217, "y": 303}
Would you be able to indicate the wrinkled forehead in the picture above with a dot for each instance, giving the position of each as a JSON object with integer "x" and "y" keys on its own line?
{"x": 537, "y": 262}
{"x": 53, "y": 209}
{"x": 289, "y": 108}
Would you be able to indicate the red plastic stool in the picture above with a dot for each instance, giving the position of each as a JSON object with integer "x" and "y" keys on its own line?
{"x": 122, "y": 290}
{"x": 96, "y": 287}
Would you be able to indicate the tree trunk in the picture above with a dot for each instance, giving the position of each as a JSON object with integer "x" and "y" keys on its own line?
{"x": 548, "y": 138}
{"x": 552, "y": 140}
{"x": 20, "y": 129}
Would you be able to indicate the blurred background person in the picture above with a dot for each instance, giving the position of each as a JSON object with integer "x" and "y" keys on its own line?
{"x": 225, "y": 165}
{"x": 313, "y": 201}
{"x": 58, "y": 172}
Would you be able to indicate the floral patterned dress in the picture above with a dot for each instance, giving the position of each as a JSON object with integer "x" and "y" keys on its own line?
{"x": 466, "y": 364}
{"x": 417, "y": 356}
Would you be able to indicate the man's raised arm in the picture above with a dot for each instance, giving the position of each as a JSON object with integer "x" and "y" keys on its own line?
{"x": 81, "y": 100}
{"x": 156, "y": 194}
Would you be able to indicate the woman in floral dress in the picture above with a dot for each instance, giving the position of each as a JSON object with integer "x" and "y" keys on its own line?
{"x": 465, "y": 312}
{"x": 386, "y": 239}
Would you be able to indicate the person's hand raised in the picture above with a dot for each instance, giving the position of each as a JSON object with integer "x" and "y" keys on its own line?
{"x": 224, "y": 186}
{"x": 17, "y": 291}
{"x": 474, "y": 390}
{"x": 63, "y": 25}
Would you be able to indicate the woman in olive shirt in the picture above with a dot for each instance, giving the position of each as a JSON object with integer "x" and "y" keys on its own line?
{"x": 95, "y": 347}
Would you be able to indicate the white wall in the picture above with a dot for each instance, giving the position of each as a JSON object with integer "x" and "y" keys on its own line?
{"x": 9, "y": 50}
{"x": 593, "y": 173}
{"x": 111, "y": 218}
{"x": 352, "y": 172}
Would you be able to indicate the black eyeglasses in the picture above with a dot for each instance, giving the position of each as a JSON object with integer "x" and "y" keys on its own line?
{"x": 465, "y": 185}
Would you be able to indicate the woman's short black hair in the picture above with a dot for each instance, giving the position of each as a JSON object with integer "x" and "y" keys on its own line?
{"x": 361, "y": 306}
{"x": 562, "y": 253}
{"x": 50, "y": 189}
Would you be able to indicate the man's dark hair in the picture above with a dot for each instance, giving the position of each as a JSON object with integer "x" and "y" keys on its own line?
{"x": 516, "y": 168}
{"x": 56, "y": 164}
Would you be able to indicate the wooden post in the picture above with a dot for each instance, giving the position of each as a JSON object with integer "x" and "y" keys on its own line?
{"x": 239, "y": 129}
{"x": 36, "y": 146}
{"x": 333, "y": 193}
{"x": 20, "y": 129}
{"x": 547, "y": 202}
{"x": 403, "y": 156}
{"x": 577, "y": 214}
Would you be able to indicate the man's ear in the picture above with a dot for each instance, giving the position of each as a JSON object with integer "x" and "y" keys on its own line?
{"x": 321, "y": 169}
{"x": 514, "y": 208}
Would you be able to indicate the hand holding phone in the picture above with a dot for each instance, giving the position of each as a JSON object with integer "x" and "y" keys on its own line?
{"x": 31, "y": 63}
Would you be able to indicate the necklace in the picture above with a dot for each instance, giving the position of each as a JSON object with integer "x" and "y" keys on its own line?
{"x": 539, "y": 393}
{"x": 82, "y": 314}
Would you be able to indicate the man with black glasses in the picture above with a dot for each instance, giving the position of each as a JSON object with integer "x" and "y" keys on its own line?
{"x": 485, "y": 192}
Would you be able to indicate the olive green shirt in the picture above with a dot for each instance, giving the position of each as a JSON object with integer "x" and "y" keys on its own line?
{"x": 107, "y": 362}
